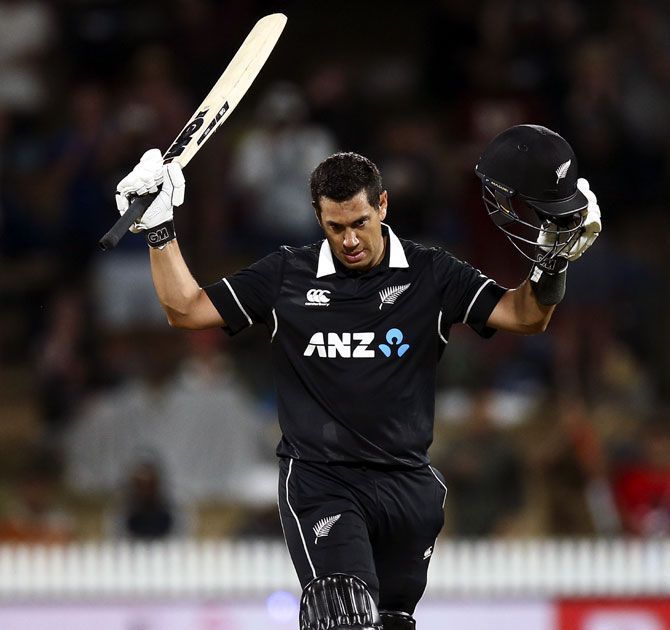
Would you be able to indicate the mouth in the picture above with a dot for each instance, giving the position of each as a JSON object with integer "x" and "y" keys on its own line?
{"x": 354, "y": 258}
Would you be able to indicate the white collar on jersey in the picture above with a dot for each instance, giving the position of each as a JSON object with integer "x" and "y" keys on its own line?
{"x": 397, "y": 256}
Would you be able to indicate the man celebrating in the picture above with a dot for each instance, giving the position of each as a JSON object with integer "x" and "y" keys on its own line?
{"x": 357, "y": 325}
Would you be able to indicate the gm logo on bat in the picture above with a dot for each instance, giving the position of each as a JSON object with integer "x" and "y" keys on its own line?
{"x": 355, "y": 345}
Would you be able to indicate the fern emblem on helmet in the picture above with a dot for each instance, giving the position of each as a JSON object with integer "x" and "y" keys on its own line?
{"x": 562, "y": 170}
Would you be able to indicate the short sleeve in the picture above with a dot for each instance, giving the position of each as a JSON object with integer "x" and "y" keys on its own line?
{"x": 248, "y": 296}
{"x": 467, "y": 295}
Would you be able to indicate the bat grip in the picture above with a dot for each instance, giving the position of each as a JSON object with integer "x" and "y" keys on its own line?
{"x": 137, "y": 208}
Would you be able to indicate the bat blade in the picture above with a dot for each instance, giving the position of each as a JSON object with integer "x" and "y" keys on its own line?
{"x": 222, "y": 99}
{"x": 228, "y": 91}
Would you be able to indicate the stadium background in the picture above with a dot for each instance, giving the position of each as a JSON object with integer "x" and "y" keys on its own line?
{"x": 116, "y": 428}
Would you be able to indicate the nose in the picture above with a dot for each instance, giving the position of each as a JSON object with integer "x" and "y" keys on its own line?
{"x": 350, "y": 239}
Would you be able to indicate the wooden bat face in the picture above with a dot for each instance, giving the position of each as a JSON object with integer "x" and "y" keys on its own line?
{"x": 229, "y": 89}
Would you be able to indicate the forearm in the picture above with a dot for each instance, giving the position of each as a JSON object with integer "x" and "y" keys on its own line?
{"x": 531, "y": 313}
{"x": 177, "y": 290}
{"x": 528, "y": 308}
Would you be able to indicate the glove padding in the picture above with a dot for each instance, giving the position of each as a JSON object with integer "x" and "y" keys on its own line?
{"x": 590, "y": 229}
{"x": 144, "y": 179}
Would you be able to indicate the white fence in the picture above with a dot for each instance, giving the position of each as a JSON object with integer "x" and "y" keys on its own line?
{"x": 531, "y": 568}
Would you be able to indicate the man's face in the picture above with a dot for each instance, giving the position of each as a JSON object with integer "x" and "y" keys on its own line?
{"x": 353, "y": 229}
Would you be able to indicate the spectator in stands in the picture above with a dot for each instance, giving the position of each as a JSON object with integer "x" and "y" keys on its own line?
{"x": 63, "y": 372}
{"x": 272, "y": 164}
{"x": 643, "y": 483}
{"x": 483, "y": 470}
{"x": 27, "y": 32}
{"x": 35, "y": 514}
{"x": 571, "y": 461}
{"x": 190, "y": 411}
{"x": 146, "y": 511}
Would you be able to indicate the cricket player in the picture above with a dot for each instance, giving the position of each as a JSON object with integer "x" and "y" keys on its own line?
{"x": 357, "y": 324}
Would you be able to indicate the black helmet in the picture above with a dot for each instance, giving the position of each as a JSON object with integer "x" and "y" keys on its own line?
{"x": 529, "y": 184}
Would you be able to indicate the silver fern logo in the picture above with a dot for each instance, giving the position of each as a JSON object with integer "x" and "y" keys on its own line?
{"x": 562, "y": 170}
{"x": 390, "y": 294}
{"x": 323, "y": 527}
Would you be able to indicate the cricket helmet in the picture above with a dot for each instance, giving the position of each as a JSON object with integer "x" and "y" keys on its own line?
{"x": 529, "y": 185}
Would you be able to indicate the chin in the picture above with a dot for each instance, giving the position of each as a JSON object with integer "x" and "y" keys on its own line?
{"x": 359, "y": 264}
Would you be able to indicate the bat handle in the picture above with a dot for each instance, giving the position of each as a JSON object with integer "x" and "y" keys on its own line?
{"x": 137, "y": 208}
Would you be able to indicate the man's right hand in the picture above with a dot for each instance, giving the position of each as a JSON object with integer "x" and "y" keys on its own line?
{"x": 145, "y": 178}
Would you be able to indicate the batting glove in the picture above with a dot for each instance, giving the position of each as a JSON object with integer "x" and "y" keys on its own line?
{"x": 591, "y": 227}
{"x": 145, "y": 178}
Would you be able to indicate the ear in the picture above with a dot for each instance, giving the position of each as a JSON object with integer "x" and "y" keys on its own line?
{"x": 317, "y": 213}
{"x": 383, "y": 204}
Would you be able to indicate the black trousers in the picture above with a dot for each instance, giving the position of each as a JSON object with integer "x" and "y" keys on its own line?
{"x": 376, "y": 523}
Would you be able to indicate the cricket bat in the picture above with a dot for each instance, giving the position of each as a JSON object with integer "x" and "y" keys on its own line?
{"x": 212, "y": 112}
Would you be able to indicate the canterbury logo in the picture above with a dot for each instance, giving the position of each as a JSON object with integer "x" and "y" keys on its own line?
{"x": 317, "y": 297}
{"x": 323, "y": 527}
{"x": 390, "y": 294}
{"x": 562, "y": 170}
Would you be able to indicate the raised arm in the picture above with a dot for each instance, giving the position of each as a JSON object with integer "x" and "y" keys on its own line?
{"x": 184, "y": 301}
{"x": 519, "y": 311}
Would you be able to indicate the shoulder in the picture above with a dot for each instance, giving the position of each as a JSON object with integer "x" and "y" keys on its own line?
{"x": 304, "y": 252}
{"x": 289, "y": 253}
{"x": 305, "y": 257}
{"x": 420, "y": 254}
{"x": 435, "y": 260}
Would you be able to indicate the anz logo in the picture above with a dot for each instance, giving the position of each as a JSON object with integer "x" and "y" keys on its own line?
{"x": 358, "y": 345}
{"x": 394, "y": 339}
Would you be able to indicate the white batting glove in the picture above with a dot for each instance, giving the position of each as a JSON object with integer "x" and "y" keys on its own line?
{"x": 591, "y": 227}
{"x": 145, "y": 178}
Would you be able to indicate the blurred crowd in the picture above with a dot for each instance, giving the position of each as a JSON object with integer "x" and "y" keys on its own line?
{"x": 113, "y": 424}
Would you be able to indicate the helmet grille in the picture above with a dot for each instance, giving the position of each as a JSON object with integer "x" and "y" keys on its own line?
{"x": 522, "y": 225}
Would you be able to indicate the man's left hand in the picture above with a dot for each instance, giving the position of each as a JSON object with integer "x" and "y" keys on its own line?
{"x": 590, "y": 228}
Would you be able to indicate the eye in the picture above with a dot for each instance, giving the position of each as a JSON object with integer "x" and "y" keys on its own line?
{"x": 360, "y": 222}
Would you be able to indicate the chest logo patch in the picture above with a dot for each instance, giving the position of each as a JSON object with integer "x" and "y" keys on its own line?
{"x": 358, "y": 345}
{"x": 390, "y": 294}
{"x": 317, "y": 297}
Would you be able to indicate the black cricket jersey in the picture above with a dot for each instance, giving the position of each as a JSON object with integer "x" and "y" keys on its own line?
{"x": 355, "y": 354}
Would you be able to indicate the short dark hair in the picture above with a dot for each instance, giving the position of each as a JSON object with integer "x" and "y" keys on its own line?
{"x": 343, "y": 175}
